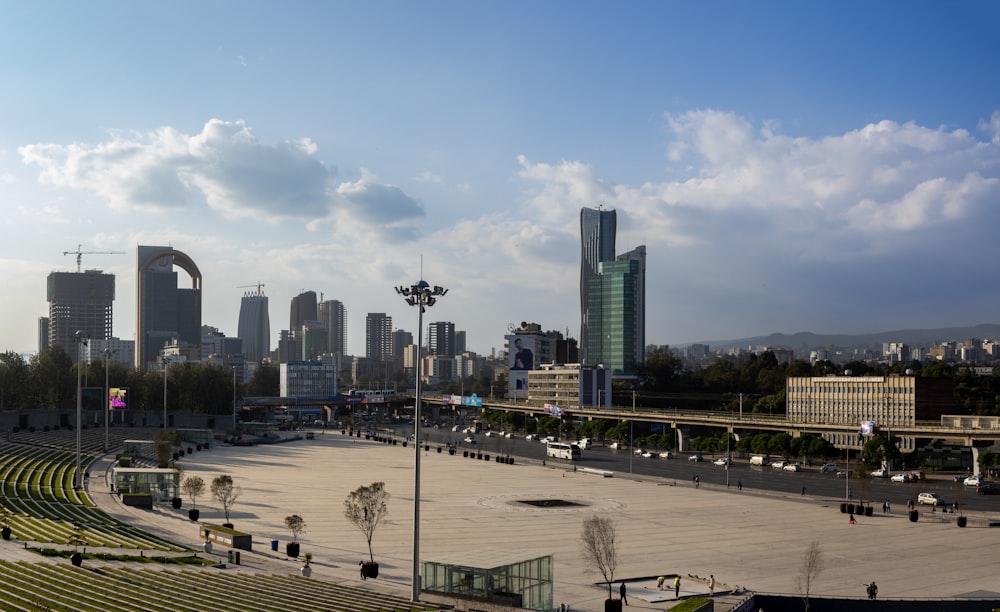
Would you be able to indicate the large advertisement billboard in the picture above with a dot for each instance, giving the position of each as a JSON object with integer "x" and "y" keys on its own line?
{"x": 117, "y": 398}
{"x": 520, "y": 359}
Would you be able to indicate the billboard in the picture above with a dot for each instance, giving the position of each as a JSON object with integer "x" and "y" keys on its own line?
{"x": 117, "y": 398}
{"x": 867, "y": 428}
{"x": 520, "y": 359}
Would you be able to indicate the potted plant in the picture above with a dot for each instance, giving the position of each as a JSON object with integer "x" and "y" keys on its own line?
{"x": 296, "y": 524}
{"x": 365, "y": 507}
{"x": 306, "y": 569}
{"x": 193, "y": 487}
{"x": 77, "y": 541}
{"x": 226, "y": 493}
{"x": 5, "y": 516}
{"x": 600, "y": 549}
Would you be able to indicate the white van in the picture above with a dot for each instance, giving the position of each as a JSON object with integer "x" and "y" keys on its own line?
{"x": 758, "y": 460}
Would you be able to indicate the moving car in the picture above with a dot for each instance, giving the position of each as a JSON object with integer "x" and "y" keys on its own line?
{"x": 721, "y": 461}
{"x": 880, "y": 473}
{"x": 640, "y": 451}
{"x": 469, "y": 440}
{"x": 531, "y": 437}
{"x": 792, "y": 467}
{"x": 695, "y": 458}
{"x": 778, "y": 465}
{"x": 829, "y": 467}
{"x": 901, "y": 477}
{"x": 584, "y": 443}
{"x": 930, "y": 499}
{"x": 615, "y": 446}
{"x": 973, "y": 481}
{"x": 842, "y": 474}
{"x": 648, "y": 455}
{"x": 666, "y": 455}
{"x": 989, "y": 489}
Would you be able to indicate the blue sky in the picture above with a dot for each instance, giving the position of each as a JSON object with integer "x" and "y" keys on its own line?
{"x": 790, "y": 166}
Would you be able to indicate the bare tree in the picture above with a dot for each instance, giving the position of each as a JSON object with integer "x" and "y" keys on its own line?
{"x": 812, "y": 566}
{"x": 193, "y": 487}
{"x": 600, "y": 548}
{"x": 365, "y": 507}
{"x": 225, "y": 492}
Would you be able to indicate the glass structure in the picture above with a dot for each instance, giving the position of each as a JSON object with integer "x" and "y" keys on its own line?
{"x": 509, "y": 580}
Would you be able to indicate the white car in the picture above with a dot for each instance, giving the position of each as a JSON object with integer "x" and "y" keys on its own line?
{"x": 666, "y": 455}
{"x": 648, "y": 455}
{"x": 530, "y": 437}
{"x": 792, "y": 467}
{"x": 694, "y": 458}
{"x": 455, "y": 428}
{"x": 721, "y": 461}
{"x": 931, "y": 499}
{"x": 584, "y": 443}
{"x": 779, "y": 465}
{"x": 829, "y": 467}
{"x": 901, "y": 477}
{"x": 490, "y": 434}
{"x": 973, "y": 481}
{"x": 615, "y": 446}
{"x": 880, "y": 473}
{"x": 469, "y": 440}
{"x": 639, "y": 451}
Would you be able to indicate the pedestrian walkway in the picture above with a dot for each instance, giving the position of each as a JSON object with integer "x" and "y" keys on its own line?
{"x": 748, "y": 540}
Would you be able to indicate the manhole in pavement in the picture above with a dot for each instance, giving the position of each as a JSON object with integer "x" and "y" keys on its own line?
{"x": 549, "y": 503}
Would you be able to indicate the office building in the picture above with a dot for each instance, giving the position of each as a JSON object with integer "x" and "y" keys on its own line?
{"x": 333, "y": 314}
{"x": 597, "y": 244}
{"x": 165, "y": 313}
{"x": 378, "y": 336}
{"x": 303, "y": 309}
{"x": 441, "y": 340}
{"x": 79, "y": 301}
{"x": 308, "y": 378}
{"x": 616, "y": 334}
{"x": 314, "y": 336}
{"x": 254, "y": 327}
{"x": 118, "y": 350}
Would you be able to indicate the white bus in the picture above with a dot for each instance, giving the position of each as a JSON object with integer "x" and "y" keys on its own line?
{"x": 562, "y": 451}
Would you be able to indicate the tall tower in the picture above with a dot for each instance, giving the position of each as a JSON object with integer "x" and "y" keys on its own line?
{"x": 597, "y": 244}
{"x": 638, "y": 254}
{"x": 441, "y": 339}
{"x": 255, "y": 326}
{"x": 333, "y": 314}
{"x": 615, "y": 320}
{"x": 303, "y": 309}
{"x": 163, "y": 310}
{"x": 79, "y": 301}
{"x": 378, "y": 336}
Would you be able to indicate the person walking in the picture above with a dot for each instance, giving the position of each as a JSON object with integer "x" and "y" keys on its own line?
{"x": 739, "y": 485}
{"x": 885, "y": 507}
{"x": 711, "y": 585}
{"x": 851, "y": 521}
{"x": 677, "y": 586}
{"x": 621, "y": 590}
{"x": 874, "y": 591}
{"x": 659, "y": 582}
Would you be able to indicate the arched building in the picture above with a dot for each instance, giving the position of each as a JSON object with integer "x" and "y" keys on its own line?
{"x": 164, "y": 311}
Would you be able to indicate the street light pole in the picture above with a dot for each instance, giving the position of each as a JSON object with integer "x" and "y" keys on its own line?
{"x": 234, "y": 401}
{"x": 421, "y": 295}
{"x": 81, "y": 341}
{"x": 107, "y": 395}
{"x": 165, "y": 363}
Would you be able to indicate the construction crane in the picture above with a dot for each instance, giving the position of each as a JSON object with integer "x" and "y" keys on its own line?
{"x": 259, "y": 285}
{"x": 79, "y": 254}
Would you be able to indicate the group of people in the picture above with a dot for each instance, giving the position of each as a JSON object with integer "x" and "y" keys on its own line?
{"x": 871, "y": 589}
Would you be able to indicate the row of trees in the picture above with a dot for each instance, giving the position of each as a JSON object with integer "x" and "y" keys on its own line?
{"x": 48, "y": 381}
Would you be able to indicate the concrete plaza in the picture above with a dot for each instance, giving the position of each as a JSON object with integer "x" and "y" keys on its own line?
{"x": 747, "y": 539}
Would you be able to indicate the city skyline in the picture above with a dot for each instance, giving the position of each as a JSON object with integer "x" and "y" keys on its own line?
{"x": 783, "y": 175}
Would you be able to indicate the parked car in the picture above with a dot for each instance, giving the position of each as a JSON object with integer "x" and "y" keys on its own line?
{"x": 666, "y": 455}
{"x": 490, "y": 434}
{"x": 721, "y": 461}
{"x": 930, "y": 499}
{"x": 880, "y": 473}
{"x": 973, "y": 481}
{"x": 901, "y": 477}
{"x": 989, "y": 489}
{"x": 792, "y": 467}
{"x": 960, "y": 477}
{"x": 455, "y": 428}
{"x": 695, "y": 458}
{"x": 778, "y": 465}
{"x": 829, "y": 467}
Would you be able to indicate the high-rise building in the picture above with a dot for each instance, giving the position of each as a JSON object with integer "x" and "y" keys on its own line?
{"x": 254, "y": 327}
{"x": 164, "y": 312}
{"x": 313, "y": 336}
{"x": 378, "y": 336}
{"x": 597, "y": 244}
{"x": 79, "y": 301}
{"x": 441, "y": 340}
{"x": 614, "y": 318}
{"x": 303, "y": 309}
{"x": 333, "y": 314}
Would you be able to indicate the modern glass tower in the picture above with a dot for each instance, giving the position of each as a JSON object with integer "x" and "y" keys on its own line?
{"x": 597, "y": 244}
{"x": 616, "y": 316}
{"x": 255, "y": 326}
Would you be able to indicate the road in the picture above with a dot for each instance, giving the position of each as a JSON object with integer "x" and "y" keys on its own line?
{"x": 810, "y": 479}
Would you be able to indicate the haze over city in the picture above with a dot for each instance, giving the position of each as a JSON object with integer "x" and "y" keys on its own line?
{"x": 825, "y": 167}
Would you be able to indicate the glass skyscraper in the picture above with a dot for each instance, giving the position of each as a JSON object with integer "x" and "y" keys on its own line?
{"x": 597, "y": 244}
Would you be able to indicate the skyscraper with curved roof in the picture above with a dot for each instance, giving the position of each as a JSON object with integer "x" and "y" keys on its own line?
{"x": 164, "y": 311}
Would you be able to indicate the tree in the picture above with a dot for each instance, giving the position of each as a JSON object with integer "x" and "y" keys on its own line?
{"x": 225, "y": 492}
{"x": 296, "y": 524}
{"x": 365, "y": 507}
{"x": 812, "y": 566}
{"x": 600, "y": 548}
{"x": 193, "y": 487}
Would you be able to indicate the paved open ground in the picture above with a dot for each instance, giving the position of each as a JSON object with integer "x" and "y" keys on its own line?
{"x": 746, "y": 539}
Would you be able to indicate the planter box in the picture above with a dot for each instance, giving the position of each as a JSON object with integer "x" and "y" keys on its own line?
{"x": 227, "y": 537}
{"x": 138, "y": 500}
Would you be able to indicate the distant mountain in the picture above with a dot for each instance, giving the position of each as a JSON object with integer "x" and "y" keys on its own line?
{"x": 913, "y": 337}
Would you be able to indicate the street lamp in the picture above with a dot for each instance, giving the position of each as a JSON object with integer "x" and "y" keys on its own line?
{"x": 421, "y": 295}
{"x": 107, "y": 393}
{"x": 234, "y": 401}
{"x": 81, "y": 341}
{"x": 165, "y": 362}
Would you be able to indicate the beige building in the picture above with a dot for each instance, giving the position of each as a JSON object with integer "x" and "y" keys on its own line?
{"x": 889, "y": 401}
{"x": 570, "y": 385}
